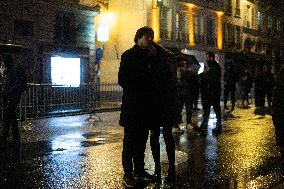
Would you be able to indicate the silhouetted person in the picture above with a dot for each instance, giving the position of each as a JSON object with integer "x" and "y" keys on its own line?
{"x": 269, "y": 79}
{"x": 165, "y": 83}
{"x": 140, "y": 104}
{"x": 211, "y": 91}
{"x": 185, "y": 91}
{"x": 259, "y": 88}
{"x": 278, "y": 109}
{"x": 230, "y": 80}
{"x": 14, "y": 84}
{"x": 246, "y": 85}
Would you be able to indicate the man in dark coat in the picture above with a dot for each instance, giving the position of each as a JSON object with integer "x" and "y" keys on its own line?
{"x": 140, "y": 104}
{"x": 14, "y": 84}
{"x": 186, "y": 91}
{"x": 211, "y": 92}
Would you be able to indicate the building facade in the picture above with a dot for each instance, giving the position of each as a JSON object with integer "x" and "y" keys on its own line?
{"x": 234, "y": 29}
{"x": 36, "y": 31}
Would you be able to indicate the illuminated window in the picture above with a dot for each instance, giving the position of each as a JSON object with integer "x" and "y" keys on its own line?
{"x": 259, "y": 18}
{"x": 66, "y": 71}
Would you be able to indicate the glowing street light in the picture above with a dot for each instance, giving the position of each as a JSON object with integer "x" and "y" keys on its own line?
{"x": 105, "y": 20}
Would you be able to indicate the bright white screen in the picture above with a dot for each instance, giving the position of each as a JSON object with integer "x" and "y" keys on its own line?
{"x": 65, "y": 71}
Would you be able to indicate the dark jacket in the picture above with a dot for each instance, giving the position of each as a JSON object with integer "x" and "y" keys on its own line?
{"x": 146, "y": 83}
{"x": 230, "y": 78}
{"x": 210, "y": 82}
{"x": 269, "y": 79}
{"x": 187, "y": 83}
{"x": 259, "y": 83}
{"x": 14, "y": 84}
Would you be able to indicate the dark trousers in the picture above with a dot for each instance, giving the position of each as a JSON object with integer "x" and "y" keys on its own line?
{"x": 245, "y": 96}
{"x": 269, "y": 96}
{"x": 10, "y": 119}
{"x": 195, "y": 98}
{"x": 134, "y": 145}
{"x": 187, "y": 101}
{"x": 215, "y": 102}
{"x": 170, "y": 147}
{"x": 232, "y": 91}
{"x": 259, "y": 98}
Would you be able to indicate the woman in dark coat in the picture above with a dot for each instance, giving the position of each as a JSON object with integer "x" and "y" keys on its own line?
{"x": 165, "y": 83}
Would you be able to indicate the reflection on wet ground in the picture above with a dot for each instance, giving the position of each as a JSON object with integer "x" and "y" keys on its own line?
{"x": 74, "y": 152}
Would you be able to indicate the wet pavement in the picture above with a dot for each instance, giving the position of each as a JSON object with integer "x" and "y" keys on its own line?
{"x": 85, "y": 152}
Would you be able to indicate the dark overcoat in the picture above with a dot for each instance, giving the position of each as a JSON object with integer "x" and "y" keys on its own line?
{"x": 148, "y": 88}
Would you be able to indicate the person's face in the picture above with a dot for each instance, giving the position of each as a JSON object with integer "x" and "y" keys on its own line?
{"x": 145, "y": 41}
{"x": 207, "y": 58}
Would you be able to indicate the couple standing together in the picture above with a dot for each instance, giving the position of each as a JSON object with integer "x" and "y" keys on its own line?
{"x": 149, "y": 102}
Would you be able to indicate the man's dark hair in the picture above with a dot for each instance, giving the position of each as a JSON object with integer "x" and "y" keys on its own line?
{"x": 143, "y": 31}
{"x": 211, "y": 54}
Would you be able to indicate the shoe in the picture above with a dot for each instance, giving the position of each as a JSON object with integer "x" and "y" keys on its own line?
{"x": 144, "y": 176}
{"x": 217, "y": 130}
{"x": 129, "y": 181}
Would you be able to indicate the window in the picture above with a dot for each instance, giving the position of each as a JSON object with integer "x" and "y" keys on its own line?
{"x": 269, "y": 22}
{"x": 229, "y": 7}
{"x": 199, "y": 29}
{"x": 259, "y": 20}
{"x": 247, "y": 16}
{"x": 210, "y": 32}
{"x": 166, "y": 22}
{"x": 23, "y": 28}
{"x": 238, "y": 11}
{"x": 237, "y": 34}
{"x": 66, "y": 71}
{"x": 65, "y": 31}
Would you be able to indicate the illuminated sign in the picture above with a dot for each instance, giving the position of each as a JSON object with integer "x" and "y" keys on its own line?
{"x": 66, "y": 71}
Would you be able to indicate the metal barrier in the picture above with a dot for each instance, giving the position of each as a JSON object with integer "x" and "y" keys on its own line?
{"x": 43, "y": 100}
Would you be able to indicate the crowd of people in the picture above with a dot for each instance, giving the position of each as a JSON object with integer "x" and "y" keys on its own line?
{"x": 157, "y": 85}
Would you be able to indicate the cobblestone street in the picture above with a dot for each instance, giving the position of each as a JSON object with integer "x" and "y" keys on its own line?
{"x": 85, "y": 152}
